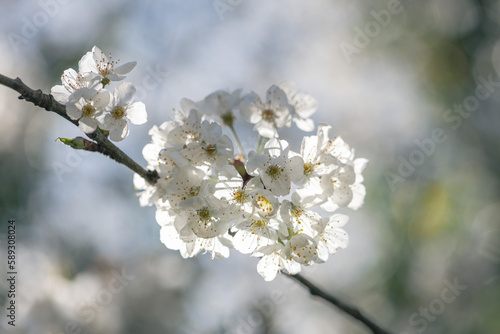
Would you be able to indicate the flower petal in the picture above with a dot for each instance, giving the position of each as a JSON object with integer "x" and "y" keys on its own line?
{"x": 136, "y": 113}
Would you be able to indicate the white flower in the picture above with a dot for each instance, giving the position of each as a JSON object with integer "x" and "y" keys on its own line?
{"x": 102, "y": 68}
{"x": 331, "y": 236}
{"x": 209, "y": 201}
{"x": 185, "y": 184}
{"x": 273, "y": 260}
{"x": 337, "y": 188}
{"x": 204, "y": 221}
{"x": 254, "y": 232}
{"x": 275, "y": 168}
{"x": 71, "y": 82}
{"x": 121, "y": 110}
{"x": 166, "y": 163}
{"x": 267, "y": 116}
{"x": 213, "y": 149}
{"x": 296, "y": 214}
{"x": 186, "y": 126}
{"x": 230, "y": 190}
{"x": 218, "y": 246}
{"x": 302, "y": 249}
{"x": 334, "y": 146}
{"x": 265, "y": 204}
{"x": 303, "y": 105}
{"x": 343, "y": 186}
{"x": 221, "y": 103}
{"x": 316, "y": 163}
{"x": 86, "y": 105}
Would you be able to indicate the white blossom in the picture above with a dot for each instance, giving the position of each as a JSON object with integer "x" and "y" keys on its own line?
{"x": 86, "y": 105}
{"x": 121, "y": 110}
{"x": 303, "y": 105}
{"x": 331, "y": 236}
{"x": 71, "y": 82}
{"x": 221, "y": 103}
{"x": 102, "y": 68}
{"x": 275, "y": 167}
{"x": 209, "y": 201}
{"x": 254, "y": 232}
{"x": 302, "y": 249}
{"x": 274, "y": 259}
{"x": 212, "y": 149}
{"x": 268, "y": 116}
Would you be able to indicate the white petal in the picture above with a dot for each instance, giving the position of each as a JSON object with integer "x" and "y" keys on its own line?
{"x": 268, "y": 266}
{"x": 187, "y": 105}
{"x": 250, "y": 108}
{"x": 305, "y": 105}
{"x": 60, "y": 94}
{"x": 125, "y": 68}
{"x": 276, "y": 98}
{"x": 358, "y": 198}
{"x": 136, "y": 113}
{"x": 305, "y": 124}
{"x": 99, "y": 56}
{"x": 87, "y": 124}
{"x": 118, "y": 130}
{"x": 101, "y": 100}
{"x": 124, "y": 94}
{"x": 87, "y": 63}
{"x": 266, "y": 129}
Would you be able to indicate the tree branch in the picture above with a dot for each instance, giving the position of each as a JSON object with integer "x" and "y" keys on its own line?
{"x": 105, "y": 146}
{"x": 352, "y": 311}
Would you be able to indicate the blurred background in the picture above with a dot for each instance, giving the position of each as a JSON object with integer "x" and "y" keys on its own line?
{"x": 413, "y": 86}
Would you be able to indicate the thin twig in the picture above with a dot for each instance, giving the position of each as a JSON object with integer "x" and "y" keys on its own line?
{"x": 47, "y": 102}
{"x": 351, "y": 310}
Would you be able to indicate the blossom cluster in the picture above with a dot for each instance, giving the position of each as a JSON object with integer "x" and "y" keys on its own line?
{"x": 86, "y": 99}
{"x": 274, "y": 203}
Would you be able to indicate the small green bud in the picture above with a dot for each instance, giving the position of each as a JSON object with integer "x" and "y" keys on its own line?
{"x": 77, "y": 143}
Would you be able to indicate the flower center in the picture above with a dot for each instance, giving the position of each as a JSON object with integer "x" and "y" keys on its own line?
{"x": 104, "y": 66}
{"x": 308, "y": 168}
{"x": 260, "y": 223}
{"x": 268, "y": 115}
{"x": 240, "y": 196}
{"x": 191, "y": 136}
{"x": 211, "y": 150}
{"x": 296, "y": 211}
{"x": 88, "y": 110}
{"x": 204, "y": 213}
{"x": 194, "y": 191}
{"x": 264, "y": 203}
{"x": 273, "y": 171}
{"x": 118, "y": 112}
